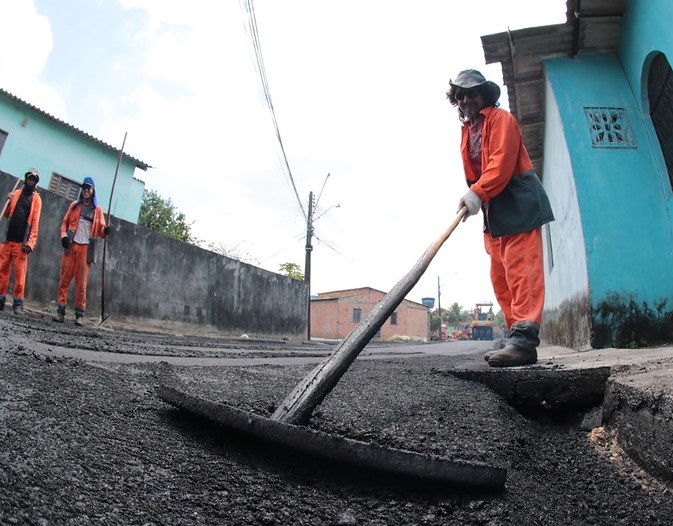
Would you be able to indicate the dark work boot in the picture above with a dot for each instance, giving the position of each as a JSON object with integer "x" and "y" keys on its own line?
{"x": 79, "y": 316}
{"x": 497, "y": 345}
{"x": 521, "y": 348}
{"x": 513, "y": 356}
{"x": 60, "y": 314}
{"x": 2, "y": 303}
{"x": 18, "y": 306}
{"x": 524, "y": 334}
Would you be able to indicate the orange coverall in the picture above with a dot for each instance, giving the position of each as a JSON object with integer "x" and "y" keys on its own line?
{"x": 517, "y": 271}
{"x": 11, "y": 253}
{"x": 74, "y": 260}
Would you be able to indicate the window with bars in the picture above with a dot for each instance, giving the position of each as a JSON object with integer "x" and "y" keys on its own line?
{"x": 550, "y": 248}
{"x": 63, "y": 186}
{"x": 660, "y": 98}
{"x": 357, "y": 315}
{"x": 393, "y": 318}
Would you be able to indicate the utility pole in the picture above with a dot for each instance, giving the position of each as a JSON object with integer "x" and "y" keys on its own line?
{"x": 439, "y": 309}
{"x": 307, "y": 264}
{"x": 312, "y": 207}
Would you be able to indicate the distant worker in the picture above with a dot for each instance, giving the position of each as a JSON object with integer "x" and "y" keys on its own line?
{"x": 501, "y": 181}
{"x": 83, "y": 221}
{"x": 23, "y": 210}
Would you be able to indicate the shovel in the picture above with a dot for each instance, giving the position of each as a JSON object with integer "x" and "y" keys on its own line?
{"x": 283, "y": 427}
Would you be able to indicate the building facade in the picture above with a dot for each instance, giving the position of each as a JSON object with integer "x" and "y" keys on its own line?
{"x": 594, "y": 100}
{"x": 334, "y": 315}
{"x": 64, "y": 156}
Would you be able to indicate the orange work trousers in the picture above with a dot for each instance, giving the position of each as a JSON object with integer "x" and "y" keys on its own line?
{"x": 11, "y": 255}
{"x": 74, "y": 265}
{"x": 517, "y": 275}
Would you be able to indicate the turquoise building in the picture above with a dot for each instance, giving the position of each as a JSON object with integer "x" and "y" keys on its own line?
{"x": 594, "y": 98}
{"x": 65, "y": 155}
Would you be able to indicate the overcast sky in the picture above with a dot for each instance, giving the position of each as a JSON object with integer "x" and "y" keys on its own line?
{"x": 358, "y": 88}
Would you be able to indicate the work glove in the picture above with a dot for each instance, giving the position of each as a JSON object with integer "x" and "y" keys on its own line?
{"x": 65, "y": 242}
{"x": 26, "y": 249}
{"x": 472, "y": 201}
{"x": 106, "y": 230}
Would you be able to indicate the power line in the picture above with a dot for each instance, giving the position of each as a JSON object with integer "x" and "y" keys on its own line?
{"x": 252, "y": 30}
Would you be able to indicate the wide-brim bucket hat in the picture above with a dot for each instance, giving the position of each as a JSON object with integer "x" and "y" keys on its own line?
{"x": 471, "y": 78}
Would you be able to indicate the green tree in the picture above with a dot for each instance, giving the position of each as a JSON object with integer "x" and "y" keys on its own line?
{"x": 161, "y": 215}
{"x": 454, "y": 314}
{"x": 291, "y": 270}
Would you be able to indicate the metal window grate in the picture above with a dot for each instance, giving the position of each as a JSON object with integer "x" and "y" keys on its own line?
{"x": 609, "y": 127}
{"x": 660, "y": 98}
{"x": 63, "y": 186}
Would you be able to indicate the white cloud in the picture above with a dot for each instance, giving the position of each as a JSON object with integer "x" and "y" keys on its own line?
{"x": 28, "y": 42}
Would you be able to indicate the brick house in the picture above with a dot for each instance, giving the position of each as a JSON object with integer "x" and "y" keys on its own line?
{"x": 335, "y": 314}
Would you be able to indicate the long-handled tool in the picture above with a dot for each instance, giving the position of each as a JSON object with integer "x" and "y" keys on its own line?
{"x": 9, "y": 198}
{"x": 283, "y": 429}
{"x": 103, "y": 317}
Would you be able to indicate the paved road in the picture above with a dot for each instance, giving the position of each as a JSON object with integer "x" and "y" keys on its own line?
{"x": 371, "y": 352}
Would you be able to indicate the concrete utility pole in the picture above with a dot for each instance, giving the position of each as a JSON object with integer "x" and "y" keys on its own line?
{"x": 307, "y": 264}
{"x": 312, "y": 207}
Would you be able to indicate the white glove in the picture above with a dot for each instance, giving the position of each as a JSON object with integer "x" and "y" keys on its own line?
{"x": 472, "y": 201}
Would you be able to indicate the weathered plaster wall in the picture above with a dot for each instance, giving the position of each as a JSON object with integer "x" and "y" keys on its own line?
{"x": 159, "y": 281}
{"x": 645, "y": 31}
{"x": 625, "y": 220}
{"x": 565, "y": 320}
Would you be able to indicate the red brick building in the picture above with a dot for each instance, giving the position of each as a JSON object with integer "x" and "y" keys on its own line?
{"x": 335, "y": 314}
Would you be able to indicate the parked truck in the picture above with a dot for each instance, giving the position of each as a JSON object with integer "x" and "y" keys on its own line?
{"x": 482, "y": 321}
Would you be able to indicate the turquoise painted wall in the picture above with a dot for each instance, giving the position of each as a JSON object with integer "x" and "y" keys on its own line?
{"x": 621, "y": 192}
{"x": 35, "y": 140}
{"x": 645, "y": 33}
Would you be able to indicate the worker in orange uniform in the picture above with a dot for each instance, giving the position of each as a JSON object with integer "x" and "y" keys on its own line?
{"x": 23, "y": 211}
{"x": 502, "y": 183}
{"x": 83, "y": 221}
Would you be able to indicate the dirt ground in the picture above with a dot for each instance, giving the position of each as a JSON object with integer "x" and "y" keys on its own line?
{"x": 84, "y": 443}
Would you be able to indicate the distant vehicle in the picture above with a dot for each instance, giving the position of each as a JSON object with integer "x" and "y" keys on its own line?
{"x": 482, "y": 321}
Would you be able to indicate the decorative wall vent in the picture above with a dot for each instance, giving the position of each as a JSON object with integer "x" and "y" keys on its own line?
{"x": 609, "y": 127}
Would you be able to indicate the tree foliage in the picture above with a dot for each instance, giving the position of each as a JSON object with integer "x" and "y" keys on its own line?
{"x": 291, "y": 270}
{"x": 161, "y": 215}
{"x": 234, "y": 252}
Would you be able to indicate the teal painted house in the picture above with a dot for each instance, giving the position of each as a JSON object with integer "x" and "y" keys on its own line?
{"x": 594, "y": 98}
{"x": 64, "y": 156}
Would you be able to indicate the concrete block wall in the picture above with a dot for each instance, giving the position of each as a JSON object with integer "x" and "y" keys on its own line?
{"x": 159, "y": 281}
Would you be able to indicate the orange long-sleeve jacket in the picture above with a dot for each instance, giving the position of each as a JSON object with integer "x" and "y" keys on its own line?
{"x": 33, "y": 224}
{"x": 71, "y": 220}
{"x": 513, "y": 198}
{"x": 503, "y": 154}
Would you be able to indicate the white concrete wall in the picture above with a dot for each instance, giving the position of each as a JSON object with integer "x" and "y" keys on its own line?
{"x": 568, "y": 279}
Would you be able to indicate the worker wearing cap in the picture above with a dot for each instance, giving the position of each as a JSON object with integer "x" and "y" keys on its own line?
{"x": 83, "y": 221}
{"x": 502, "y": 183}
{"x": 23, "y": 210}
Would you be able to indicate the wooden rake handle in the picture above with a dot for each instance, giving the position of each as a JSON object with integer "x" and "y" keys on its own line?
{"x": 9, "y": 197}
{"x": 312, "y": 390}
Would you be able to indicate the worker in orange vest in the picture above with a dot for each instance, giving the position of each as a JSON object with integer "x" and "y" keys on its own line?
{"x": 23, "y": 210}
{"x": 83, "y": 222}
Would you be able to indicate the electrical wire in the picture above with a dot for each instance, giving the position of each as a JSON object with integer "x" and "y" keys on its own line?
{"x": 252, "y": 30}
